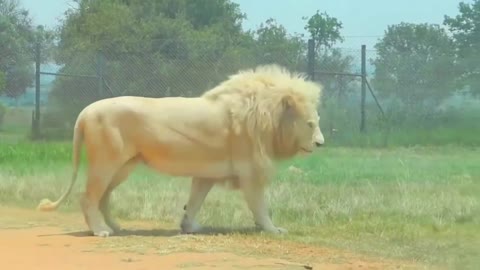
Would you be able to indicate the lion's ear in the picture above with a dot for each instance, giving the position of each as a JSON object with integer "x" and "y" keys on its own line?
{"x": 289, "y": 105}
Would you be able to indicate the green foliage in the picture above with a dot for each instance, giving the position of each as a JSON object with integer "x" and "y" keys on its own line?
{"x": 16, "y": 39}
{"x": 2, "y": 82}
{"x": 3, "y": 112}
{"x": 415, "y": 65}
{"x": 274, "y": 45}
{"x": 466, "y": 33}
{"x": 147, "y": 26}
{"x": 207, "y": 13}
{"x": 324, "y": 29}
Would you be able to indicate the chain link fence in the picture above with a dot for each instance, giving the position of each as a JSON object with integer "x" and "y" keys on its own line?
{"x": 409, "y": 99}
{"x": 174, "y": 70}
{"x": 406, "y": 101}
{"x": 344, "y": 116}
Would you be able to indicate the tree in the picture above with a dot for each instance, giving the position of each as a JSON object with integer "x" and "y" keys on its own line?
{"x": 149, "y": 26}
{"x": 16, "y": 55}
{"x": 274, "y": 45}
{"x": 415, "y": 64}
{"x": 325, "y": 30}
{"x": 206, "y": 13}
{"x": 466, "y": 33}
{"x": 105, "y": 25}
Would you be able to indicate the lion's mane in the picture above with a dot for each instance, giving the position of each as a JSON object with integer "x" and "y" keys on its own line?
{"x": 254, "y": 98}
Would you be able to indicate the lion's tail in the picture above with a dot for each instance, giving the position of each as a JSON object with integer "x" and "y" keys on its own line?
{"x": 48, "y": 205}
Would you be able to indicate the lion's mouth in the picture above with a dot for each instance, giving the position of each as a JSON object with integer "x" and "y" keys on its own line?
{"x": 306, "y": 150}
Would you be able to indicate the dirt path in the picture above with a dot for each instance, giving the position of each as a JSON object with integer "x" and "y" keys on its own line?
{"x": 32, "y": 240}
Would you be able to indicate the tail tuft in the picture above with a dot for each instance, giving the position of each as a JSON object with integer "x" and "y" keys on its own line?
{"x": 46, "y": 205}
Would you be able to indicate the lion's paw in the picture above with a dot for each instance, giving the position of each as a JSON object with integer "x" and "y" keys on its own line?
{"x": 274, "y": 230}
{"x": 189, "y": 226}
{"x": 115, "y": 227}
{"x": 103, "y": 233}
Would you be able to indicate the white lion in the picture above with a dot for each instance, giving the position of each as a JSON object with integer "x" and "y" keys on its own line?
{"x": 229, "y": 135}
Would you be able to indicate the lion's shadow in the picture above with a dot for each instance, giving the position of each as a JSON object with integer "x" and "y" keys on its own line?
{"x": 166, "y": 232}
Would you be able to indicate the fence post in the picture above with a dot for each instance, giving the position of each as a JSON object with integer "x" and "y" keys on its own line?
{"x": 100, "y": 69}
{"x": 36, "y": 118}
{"x": 364, "y": 89}
{"x": 311, "y": 59}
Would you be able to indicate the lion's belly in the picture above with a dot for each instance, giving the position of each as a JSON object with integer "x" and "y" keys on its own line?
{"x": 204, "y": 169}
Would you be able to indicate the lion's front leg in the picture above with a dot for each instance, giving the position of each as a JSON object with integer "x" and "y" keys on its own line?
{"x": 255, "y": 197}
{"x": 198, "y": 193}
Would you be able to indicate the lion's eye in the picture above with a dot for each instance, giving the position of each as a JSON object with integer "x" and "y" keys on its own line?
{"x": 310, "y": 124}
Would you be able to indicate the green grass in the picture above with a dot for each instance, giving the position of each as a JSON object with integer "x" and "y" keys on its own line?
{"x": 418, "y": 203}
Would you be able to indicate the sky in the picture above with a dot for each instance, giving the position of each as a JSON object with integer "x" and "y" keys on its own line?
{"x": 364, "y": 21}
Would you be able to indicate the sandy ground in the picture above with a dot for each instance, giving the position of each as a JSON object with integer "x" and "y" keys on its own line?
{"x": 35, "y": 240}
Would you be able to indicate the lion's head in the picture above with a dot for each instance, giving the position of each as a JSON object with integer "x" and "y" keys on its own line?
{"x": 275, "y": 108}
{"x": 298, "y": 127}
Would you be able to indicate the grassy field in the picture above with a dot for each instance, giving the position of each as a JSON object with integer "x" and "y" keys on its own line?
{"x": 418, "y": 203}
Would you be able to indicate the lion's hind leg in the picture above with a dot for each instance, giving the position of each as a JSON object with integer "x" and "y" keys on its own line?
{"x": 120, "y": 176}
{"x": 97, "y": 184}
{"x": 101, "y": 173}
